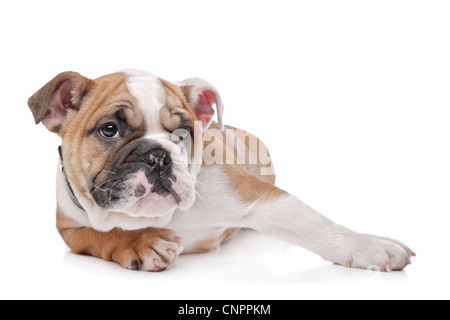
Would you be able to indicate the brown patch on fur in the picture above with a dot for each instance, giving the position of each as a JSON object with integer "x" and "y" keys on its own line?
{"x": 246, "y": 179}
{"x": 86, "y": 158}
{"x": 121, "y": 246}
{"x": 246, "y": 138}
{"x": 214, "y": 242}
{"x": 177, "y": 112}
{"x": 249, "y": 187}
{"x": 230, "y": 150}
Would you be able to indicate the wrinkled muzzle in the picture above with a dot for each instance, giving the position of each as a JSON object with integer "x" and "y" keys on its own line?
{"x": 149, "y": 178}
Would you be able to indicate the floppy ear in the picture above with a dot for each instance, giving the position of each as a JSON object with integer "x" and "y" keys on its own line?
{"x": 53, "y": 101}
{"x": 202, "y": 96}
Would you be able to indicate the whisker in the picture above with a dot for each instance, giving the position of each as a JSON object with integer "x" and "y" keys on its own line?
{"x": 111, "y": 191}
{"x": 110, "y": 172}
{"x": 99, "y": 187}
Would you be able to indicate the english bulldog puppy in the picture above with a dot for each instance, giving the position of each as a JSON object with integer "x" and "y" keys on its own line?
{"x": 145, "y": 174}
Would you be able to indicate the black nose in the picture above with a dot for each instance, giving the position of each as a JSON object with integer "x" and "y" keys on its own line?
{"x": 158, "y": 158}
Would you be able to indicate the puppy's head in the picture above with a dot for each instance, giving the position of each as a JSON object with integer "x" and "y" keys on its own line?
{"x": 127, "y": 139}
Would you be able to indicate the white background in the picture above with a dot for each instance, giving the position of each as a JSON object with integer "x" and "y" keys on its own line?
{"x": 352, "y": 98}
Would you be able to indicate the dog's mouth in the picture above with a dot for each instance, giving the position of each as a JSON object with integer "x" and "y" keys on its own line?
{"x": 123, "y": 193}
{"x": 165, "y": 191}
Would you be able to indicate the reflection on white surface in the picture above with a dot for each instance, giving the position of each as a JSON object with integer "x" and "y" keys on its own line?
{"x": 248, "y": 258}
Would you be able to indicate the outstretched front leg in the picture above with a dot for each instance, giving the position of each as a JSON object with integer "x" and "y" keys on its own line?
{"x": 289, "y": 219}
{"x": 281, "y": 215}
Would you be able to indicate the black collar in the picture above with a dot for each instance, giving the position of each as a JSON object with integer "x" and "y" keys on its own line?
{"x": 69, "y": 188}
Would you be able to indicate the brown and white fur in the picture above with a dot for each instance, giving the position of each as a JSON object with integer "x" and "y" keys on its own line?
{"x": 144, "y": 220}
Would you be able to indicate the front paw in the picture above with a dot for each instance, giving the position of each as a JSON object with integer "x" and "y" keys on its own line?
{"x": 149, "y": 250}
{"x": 377, "y": 254}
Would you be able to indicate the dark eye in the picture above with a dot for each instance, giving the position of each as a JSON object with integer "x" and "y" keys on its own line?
{"x": 185, "y": 133}
{"x": 109, "y": 131}
{"x": 181, "y": 135}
